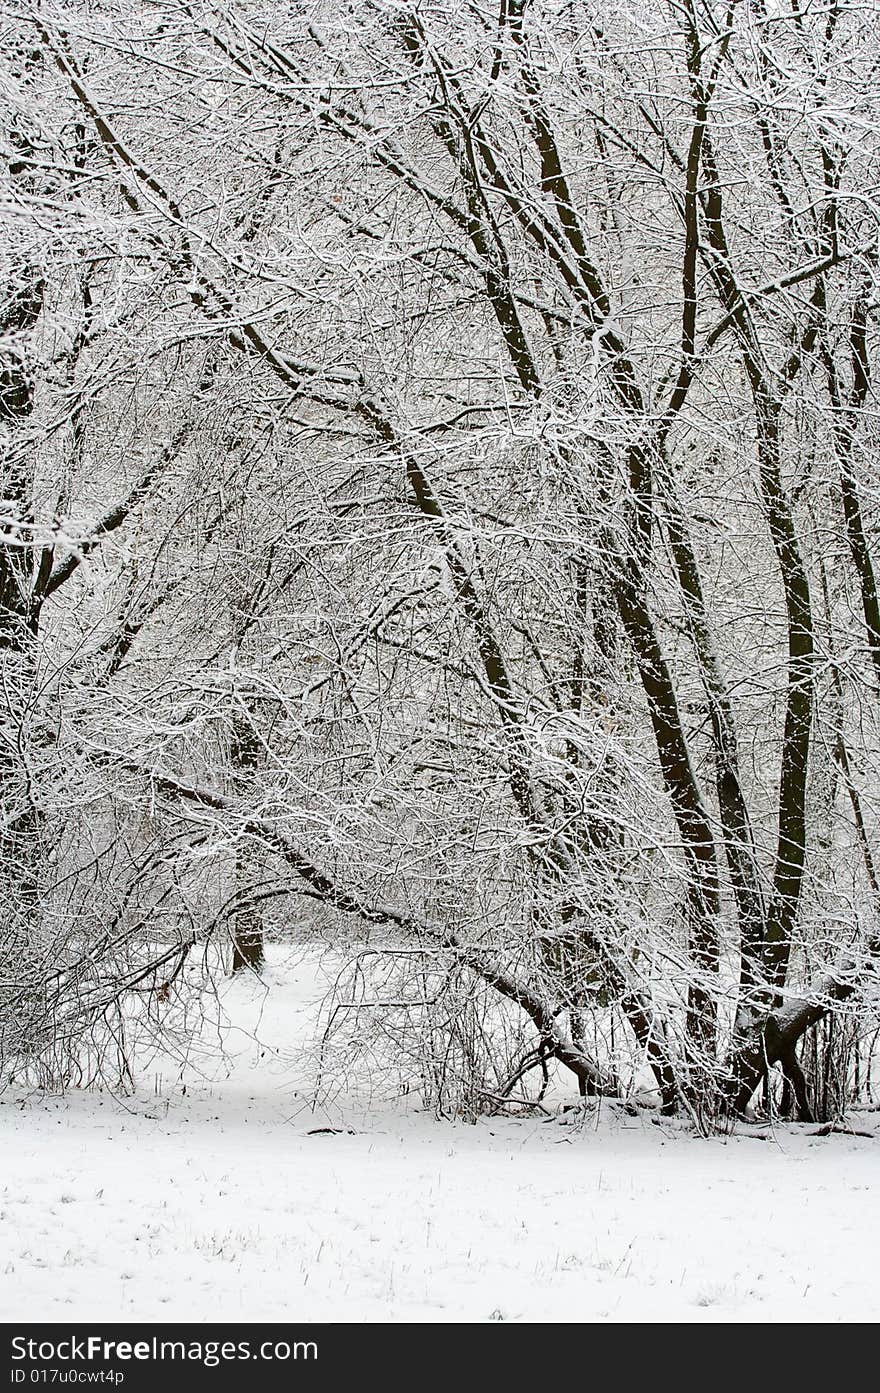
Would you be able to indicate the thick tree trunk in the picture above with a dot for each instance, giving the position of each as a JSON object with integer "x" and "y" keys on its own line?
{"x": 248, "y": 935}
{"x": 21, "y": 301}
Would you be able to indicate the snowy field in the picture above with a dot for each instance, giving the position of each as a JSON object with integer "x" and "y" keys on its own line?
{"x": 211, "y": 1194}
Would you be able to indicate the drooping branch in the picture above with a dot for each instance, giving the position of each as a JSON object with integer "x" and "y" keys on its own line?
{"x": 318, "y": 885}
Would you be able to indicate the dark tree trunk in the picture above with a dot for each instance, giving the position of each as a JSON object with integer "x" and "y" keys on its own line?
{"x": 248, "y": 936}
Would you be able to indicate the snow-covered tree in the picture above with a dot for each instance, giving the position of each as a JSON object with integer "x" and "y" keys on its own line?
{"x": 470, "y": 412}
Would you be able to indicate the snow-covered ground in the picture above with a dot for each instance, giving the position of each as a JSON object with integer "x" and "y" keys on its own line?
{"x": 224, "y": 1203}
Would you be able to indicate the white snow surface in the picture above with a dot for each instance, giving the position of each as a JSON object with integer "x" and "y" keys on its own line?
{"x": 209, "y": 1195}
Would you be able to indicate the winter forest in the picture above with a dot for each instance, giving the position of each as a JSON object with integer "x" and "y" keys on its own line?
{"x": 439, "y": 536}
